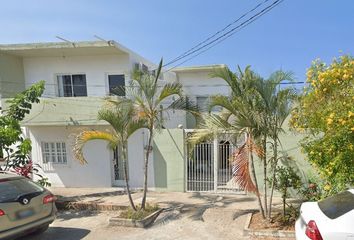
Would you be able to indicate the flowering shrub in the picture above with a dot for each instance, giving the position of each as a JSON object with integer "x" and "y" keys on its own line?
{"x": 326, "y": 112}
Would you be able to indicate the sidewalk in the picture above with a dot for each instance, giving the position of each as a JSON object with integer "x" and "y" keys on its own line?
{"x": 117, "y": 197}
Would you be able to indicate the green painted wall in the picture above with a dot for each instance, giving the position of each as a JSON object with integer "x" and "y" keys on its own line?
{"x": 12, "y": 78}
{"x": 291, "y": 147}
{"x": 169, "y": 164}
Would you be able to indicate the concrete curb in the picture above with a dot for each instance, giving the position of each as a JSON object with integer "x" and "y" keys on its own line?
{"x": 146, "y": 222}
{"x": 265, "y": 233}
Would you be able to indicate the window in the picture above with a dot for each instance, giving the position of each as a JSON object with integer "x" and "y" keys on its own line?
{"x": 72, "y": 85}
{"x": 337, "y": 205}
{"x": 116, "y": 85}
{"x": 12, "y": 188}
{"x": 203, "y": 104}
{"x": 54, "y": 152}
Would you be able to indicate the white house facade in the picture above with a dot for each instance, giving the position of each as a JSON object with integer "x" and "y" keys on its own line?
{"x": 77, "y": 78}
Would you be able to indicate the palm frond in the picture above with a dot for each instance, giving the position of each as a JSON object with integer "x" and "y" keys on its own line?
{"x": 241, "y": 165}
{"x": 241, "y": 169}
{"x": 168, "y": 90}
{"x": 86, "y": 136}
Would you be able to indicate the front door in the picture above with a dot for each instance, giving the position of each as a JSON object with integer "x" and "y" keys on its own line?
{"x": 118, "y": 173}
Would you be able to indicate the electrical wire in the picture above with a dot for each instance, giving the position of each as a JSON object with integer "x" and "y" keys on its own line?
{"x": 225, "y": 35}
{"x": 217, "y": 33}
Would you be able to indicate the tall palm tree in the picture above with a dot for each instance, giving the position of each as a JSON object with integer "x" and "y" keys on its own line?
{"x": 257, "y": 108}
{"x": 239, "y": 116}
{"x": 122, "y": 127}
{"x": 276, "y": 107}
{"x": 148, "y": 97}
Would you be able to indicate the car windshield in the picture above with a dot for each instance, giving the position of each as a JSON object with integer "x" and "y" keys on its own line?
{"x": 10, "y": 189}
{"x": 337, "y": 205}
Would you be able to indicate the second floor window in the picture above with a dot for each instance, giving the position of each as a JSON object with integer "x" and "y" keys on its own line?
{"x": 72, "y": 85}
{"x": 116, "y": 85}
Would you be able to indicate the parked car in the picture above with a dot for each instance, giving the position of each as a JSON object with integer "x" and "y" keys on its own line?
{"x": 25, "y": 207}
{"x": 329, "y": 219}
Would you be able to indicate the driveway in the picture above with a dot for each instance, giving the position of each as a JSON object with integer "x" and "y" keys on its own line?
{"x": 216, "y": 217}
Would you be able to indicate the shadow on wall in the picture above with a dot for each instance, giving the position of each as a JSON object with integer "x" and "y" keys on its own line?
{"x": 160, "y": 168}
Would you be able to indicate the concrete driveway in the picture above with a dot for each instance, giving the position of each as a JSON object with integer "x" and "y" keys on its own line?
{"x": 211, "y": 217}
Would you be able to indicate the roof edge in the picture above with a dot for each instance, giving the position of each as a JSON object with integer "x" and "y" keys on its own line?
{"x": 199, "y": 68}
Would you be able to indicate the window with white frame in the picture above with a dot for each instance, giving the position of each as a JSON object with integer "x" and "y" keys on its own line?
{"x": 72, "y": 85}
{"x": 54, "y": 152}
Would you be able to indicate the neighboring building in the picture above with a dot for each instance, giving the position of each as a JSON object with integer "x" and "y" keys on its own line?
{"x": 78, "y": 75}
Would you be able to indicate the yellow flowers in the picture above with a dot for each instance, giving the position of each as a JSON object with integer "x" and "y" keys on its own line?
{"x": 350, "y": 114}
{"x": 327, "y": 187}
{"x": 330, "y": 119}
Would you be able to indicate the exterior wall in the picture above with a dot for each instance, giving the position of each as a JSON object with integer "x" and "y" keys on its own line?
{"x": 12, "y": 79}
{"x": 93, "y": 174}
{"x": 136, "y": 158}
{"x": 290, "y": 147}
{"x": 98, "y": 172}
{"x": 169, "y": 163}
{"x": 95, "y": 67}
{"x": 200, "y": 84}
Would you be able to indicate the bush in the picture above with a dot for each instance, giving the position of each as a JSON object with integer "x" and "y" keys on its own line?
{"x": 326, "y": 112}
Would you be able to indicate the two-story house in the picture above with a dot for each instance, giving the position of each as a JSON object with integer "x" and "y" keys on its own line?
{"x": 78, "y": 75}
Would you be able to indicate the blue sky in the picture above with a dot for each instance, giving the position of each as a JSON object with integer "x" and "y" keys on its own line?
{"x": 289, "y": 37}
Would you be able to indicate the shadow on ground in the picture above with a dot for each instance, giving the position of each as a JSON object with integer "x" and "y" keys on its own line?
{"x": 59, "y": 233}
{"x": 89, "y": 195}
{"x": 195, "y": 211}
{"x": 71, "y": 214}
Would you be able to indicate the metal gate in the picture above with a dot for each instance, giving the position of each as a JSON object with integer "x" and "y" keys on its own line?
{"x": 209, "y": 168}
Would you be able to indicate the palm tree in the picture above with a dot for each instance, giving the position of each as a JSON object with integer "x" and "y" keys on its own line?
{"x": 239, "y": 116}
{"x": 256, "y": 108}
{"x": 276, "y": 107}
{"x": 122, "y": 127}
{"x": 147, "y": 98}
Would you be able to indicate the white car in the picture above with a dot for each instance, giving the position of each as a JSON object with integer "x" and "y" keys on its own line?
{"x": 329, "y": 219}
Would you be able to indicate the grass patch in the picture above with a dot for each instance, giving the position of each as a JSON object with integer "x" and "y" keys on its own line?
{"x": 140, "y": 213}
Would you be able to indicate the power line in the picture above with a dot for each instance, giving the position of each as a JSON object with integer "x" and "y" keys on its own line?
{"x": 215, "y": 34}
{"x": 227, "y": 34}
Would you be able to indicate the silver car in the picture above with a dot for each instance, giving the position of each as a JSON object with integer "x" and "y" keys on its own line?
{"x": 25, "y": 207}
{"x": 329, "y": 219}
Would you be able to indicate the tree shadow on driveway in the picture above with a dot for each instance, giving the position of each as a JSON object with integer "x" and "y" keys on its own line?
{"x": 59, "y": 233}
{"x": 195, "y": 211}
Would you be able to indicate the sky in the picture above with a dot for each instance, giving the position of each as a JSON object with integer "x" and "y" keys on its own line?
{"x": 289, "y": 37}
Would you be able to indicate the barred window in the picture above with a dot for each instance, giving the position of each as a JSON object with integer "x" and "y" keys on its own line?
{"x": 54, "y": 152}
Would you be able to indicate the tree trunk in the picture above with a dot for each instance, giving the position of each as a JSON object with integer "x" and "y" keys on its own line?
{"x": 264, "y": 146}
{"x": 124, "y": 151}
{"x": 147, "y": 154}
{"x": 255, "y": 181}
{"x": 274, "y": 165}
{"x": 284, "y": 207}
